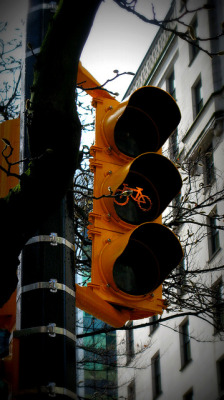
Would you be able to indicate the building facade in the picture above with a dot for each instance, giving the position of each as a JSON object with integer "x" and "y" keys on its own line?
{"x": 96, "y": 366}
{"x": 183, "y": 357}
{"x": 96, "y": 360}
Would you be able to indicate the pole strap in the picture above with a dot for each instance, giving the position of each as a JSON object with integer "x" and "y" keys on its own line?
{"x": 51, "y": 329}
{"x": 53, "y": 285}
{"x": 53, "y": 239}
{"x": 52, "y": 390}
{"x": 45, "y": 6}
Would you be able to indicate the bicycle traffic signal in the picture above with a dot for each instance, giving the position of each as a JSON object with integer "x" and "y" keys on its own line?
{"x": 132, "y": 252}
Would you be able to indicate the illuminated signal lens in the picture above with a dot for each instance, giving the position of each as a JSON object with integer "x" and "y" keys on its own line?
{"x": 151, "y": 181}
{"x": 140, "y": 201}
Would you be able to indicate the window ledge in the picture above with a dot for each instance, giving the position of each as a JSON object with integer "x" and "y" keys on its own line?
{"x": 211, "y": 258}
{"x": 157, "y": 395}
{"x": 185, "y": 365}
{"x": 153, "y": 331}
{"x": 129, "y": 360}
{"x": 208, "y": 186}
{"x": 220, "y": 333}
{"x": 192, "y": 59}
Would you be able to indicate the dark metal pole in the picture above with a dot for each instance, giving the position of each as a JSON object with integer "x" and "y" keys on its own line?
{"x": 46, "y": 294}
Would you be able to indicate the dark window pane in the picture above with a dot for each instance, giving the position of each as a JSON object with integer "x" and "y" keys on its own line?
{"x": 129, "y": 344}
{"x": 220, "y": 370}
{"x": 198, "y": 97}
{"x": 218, "y": 306}
{"x": 189, "y": 395}
{"x": 213, "y": 234}
{"x": 155, "y": 324}
{"x": 171, "y": 85}
{"x": 194, "y": 43}
{"x": 131, "y": 391}
{"x": 185, "y": 344}
{"x": 174, "y": 146}
{"x": 209, "y": 166}
{"x": 156, "y": 375}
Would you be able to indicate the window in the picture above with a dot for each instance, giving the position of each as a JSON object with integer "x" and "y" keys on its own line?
{"x": 182, "y": 5}
{"x": 197, "y": 97}
{"x": 209, "y": 170}
{"x": 185, "y": 346}
{"x": 193, "y": 49}
{"x": 129, "y": 343}
{"x": 173, "y": 141}
{"x": 111, "y": 348}
{"x": 218, "y": 306}
{"x": 213, "y": 234}
{"x": 189, "y": 395}
{"x": 220, "y": 375}
{"x": 174, "y": 145}
{"x": 131, "y": 390}
{"x": 156, "y": 376}
{"x": 177, "y": 207}
{"x": 155, "y": 324}
{"x": 181, "y": 278}
{"x": 171, "y": 84}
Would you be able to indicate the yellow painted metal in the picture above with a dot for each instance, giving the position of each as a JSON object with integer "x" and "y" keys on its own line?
{"x": 90, "y": 84}
{"x": 88, "y": 300}
{"x": 9, "y": 130}
{"x": 101, "y": 297}
{"x": 111, "y": 163}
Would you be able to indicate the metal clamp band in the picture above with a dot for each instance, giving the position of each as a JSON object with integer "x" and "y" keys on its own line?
{"x": 51, "y": 329}
{"x": 52, "y": 390}
{"x": 53, "y": 285}
{"x": 53, "y": 239}
{"x": 45, "y": 6}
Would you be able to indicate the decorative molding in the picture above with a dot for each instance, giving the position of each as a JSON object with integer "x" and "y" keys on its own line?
{"x": 154, "y": 53}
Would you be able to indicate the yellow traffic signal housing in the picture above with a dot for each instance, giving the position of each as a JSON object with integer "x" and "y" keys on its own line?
{"x": 9, "y": 130}
{"x": 9, "y": 347}
{"x": 132, "y": 252}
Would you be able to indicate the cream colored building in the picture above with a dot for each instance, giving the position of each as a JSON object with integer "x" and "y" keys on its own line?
{"x": 183, "y": 358}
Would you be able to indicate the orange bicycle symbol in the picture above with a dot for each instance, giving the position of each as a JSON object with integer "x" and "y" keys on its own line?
{"x": 143, "y": 201}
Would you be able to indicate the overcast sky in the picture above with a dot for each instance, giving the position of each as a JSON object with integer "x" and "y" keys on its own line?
{"x": 120, "y": 40}
{"x": 117, "y": 41}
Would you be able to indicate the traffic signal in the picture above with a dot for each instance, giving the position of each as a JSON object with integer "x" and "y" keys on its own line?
{"x": 9, "y": 346}
{"x": 132, "y": 252}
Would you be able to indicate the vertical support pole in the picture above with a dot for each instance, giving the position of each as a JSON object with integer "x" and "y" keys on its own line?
{"x": 46, "y": 297}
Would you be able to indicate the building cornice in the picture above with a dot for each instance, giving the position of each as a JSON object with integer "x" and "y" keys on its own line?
{"x": 211, "y": 97}
{"x": 155, "y": 53}
{"x": 212, "y": 127}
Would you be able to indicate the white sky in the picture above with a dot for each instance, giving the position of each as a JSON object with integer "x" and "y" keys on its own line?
{"x": 120, "y": 40}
